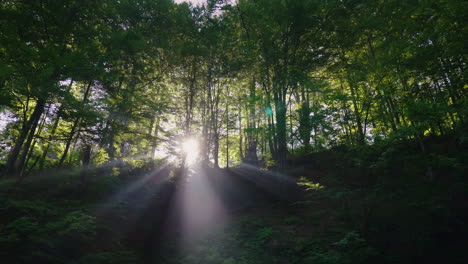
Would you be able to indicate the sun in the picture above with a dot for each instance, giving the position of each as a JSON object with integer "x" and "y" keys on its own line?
{"x": 191, "y": 149}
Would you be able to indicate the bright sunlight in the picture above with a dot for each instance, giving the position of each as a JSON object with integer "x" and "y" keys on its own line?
{"x": 190, "y": 148}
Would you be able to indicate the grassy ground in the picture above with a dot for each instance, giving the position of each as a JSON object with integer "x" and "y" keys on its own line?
{"x": 369, "y": 205}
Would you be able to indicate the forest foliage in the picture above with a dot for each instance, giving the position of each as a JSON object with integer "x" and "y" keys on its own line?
{"x": 86, "y": 83}
{"x": 364, "y": 102}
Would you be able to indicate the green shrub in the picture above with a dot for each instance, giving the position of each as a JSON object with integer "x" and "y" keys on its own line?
{"x": 351, "y": 249}
{"x": 76, "y": 224}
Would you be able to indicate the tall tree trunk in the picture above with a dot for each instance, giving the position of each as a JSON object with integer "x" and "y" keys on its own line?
{"x": 150, "y": 153}
{"x": 85, "y": 159}
{"x": 189, "y": 100}
{"x": 291, "y": 133}
{"x": 227, "y": 127}
{"x": 227, "y": 143}
{"x": 204, "y": 148}
{"x": 28, "y": 128}
{"x": 74, "y": 127}
{"x": 304, "y": 118}
{"x": 241, "y": 151}
{"x": 216, "y": 149}
{"x": 52, "y": 133}
{"x": 272, "y": 137}
{"x": 357, "y": 112}
{"x": 31, "y": 152}
{"x": 251, "y": 150}
{"x": 51, "y": 136}
{"x": 111, "y": 150}
{"x": 154, "y": 142}
{"x": 280, "y": 113}
{"x": 20, "y": 163}
{"x": 69, "y": 141}
{"x": 215, "y": 123}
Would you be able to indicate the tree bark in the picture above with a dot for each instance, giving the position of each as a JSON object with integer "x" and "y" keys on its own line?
{"x": 27, "y": 129}
{"x": 281, "y": 134}
{"x": 85, "y": 159}
{"x": 20, "y": 163}
{"x": 241, "y": 151}
{"x": 357, "y": 112}
{"x": 251, "y": 151}
{"x": 304, "y": 118}
{"x": 52, "y": 133}
{"x": 74, "y": 127}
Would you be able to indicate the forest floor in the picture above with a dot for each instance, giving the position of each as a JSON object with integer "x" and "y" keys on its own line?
{"x": 324, "y": 211}
{"x": 204, "y": 215}
{"x": 163, "y": 215}
{"x": 238, "y": 215}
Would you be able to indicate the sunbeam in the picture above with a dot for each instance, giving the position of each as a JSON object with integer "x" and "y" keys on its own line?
{"x": 190, "y": 150}
{"x": 153, "y": 177}
{"x": 196, "y": 210}
{"x": 275, "y": 183}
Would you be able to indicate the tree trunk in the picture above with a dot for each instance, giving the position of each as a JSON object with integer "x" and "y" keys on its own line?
{"x": 150, "y": 153}
{"x": 28, "y": 128}
{"x": 357, "y": 112}
{"x": 280, "y": 112}
{"x": 241, "y": 151}
{"x": 304, "y": 118}
{"x": 74, "y": 127}
{"x": 20, "y": 163}
{"x": 52, "y": 133}
{"x": 227, "y": 127}
{"x": 31, "y": 152}
{"x": 85, "y": 159}
{"x": 204, "y": 148}
{"x": 251, "y": 150}
{"x": 154, "y": 142}
{"x": 227, "y": 144}
{"x": 216, "y": 149}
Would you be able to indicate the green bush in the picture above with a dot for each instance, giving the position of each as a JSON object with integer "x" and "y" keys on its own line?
{"x": 351, "y": 249}
{"x": 76, "y": 224}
